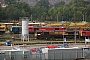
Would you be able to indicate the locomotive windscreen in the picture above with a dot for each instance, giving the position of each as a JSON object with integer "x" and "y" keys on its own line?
{"x": 36, "y": 29}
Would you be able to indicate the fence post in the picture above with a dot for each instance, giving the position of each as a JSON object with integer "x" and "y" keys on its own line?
{"x": 62, "y": 55}
{"x": 54, "y": 56}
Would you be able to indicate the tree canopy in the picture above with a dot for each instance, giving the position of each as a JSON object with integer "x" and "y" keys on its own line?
{"x": 76, "y": 10}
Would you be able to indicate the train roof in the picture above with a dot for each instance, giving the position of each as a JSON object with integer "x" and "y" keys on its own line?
{"x": 16, "y": 26}
{"x": 51, "y": 27}
{"x": 9, "y": 23}
{"x": 42, "y": 26}
{"x": 35, "y": 23}
{"x": 51, "y": 30}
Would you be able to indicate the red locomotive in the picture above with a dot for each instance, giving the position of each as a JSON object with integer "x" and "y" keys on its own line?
{"x": 33, "y": 29}
{"x": 70, "y": 34}
{"x": 84, "y": 33}
{"x": 56, "y": 34}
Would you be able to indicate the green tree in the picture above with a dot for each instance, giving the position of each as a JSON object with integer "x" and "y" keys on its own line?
{"x": 78, "y": 16}
{"x": 88, "y": 13}
{"x": 61, "y": 3}
{"x": 24, "y": 8}
{"x": 10, "y": 1}
{"x": 39, "y": 13}
{"x": 65, "y": 13}
{"x": 14, "y": 11}
{"x": 52, "y": 14}
{"x": 79, "y": 3}
{"x": 44, "y": 3}
{"x": 74, "y": 11}
{"x": 79, "y": 9}
{"x": 0, "y": 11}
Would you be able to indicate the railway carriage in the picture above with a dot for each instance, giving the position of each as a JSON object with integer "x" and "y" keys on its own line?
{"x": 52, "y": 32}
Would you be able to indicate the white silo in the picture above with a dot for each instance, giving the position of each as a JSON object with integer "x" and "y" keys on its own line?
{"x": 25, "y": 33}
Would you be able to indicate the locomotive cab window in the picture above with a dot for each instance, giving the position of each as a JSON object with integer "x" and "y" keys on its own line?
{"x": 46, "y": 33}
{"x": 30, "y": 29}
{"x": 56, "y": 28}
{"x": 84, "y": 33}
{"x": 20, "y": 29}
{"x": 71, "y": 33}
{"x": 36, "y": 29}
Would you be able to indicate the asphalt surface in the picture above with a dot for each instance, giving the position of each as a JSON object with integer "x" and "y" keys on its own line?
{"x": 37, "y": 46}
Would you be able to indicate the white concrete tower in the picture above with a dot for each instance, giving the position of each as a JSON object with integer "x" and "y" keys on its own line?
{"x": 25, "y": 33}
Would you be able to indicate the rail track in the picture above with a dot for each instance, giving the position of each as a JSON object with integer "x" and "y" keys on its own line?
{"x": 17, "y": 41}
{"x": 31, "y": 42}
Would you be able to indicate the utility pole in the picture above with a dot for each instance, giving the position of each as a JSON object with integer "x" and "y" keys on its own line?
{"x": 63, "y": 31}
{"x": 83, "y": 17}
{"x": 31, "y": 17}
{"x": 63, "y": 35}
{"x": 75, "y": 33}
{"x": 57, "y": 17}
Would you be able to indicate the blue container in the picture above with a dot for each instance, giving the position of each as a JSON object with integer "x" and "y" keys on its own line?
{"x": 8, "y": 44}
{"x": 16, "y": 29}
